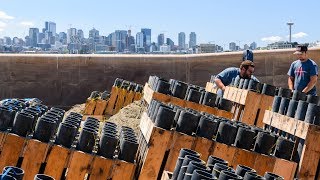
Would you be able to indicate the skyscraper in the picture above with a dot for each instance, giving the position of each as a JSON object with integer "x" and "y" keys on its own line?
{"x": 182, "y": 40}
{"x": 50, "y": 27}
{"x": 160, "y": 40}
{"x": 94, "y": 35}
{"x": 170, "y": 43}
{"x": 130, "y": 44}
{"x": 192, "y": 40}
{"x": 49, "y": 32}
{"x": 7, "y": 40}
{"x": 63, "y": 37}
{"x": 253, "y": 46}
{"x": 71, "y": 35}
{"x": 41, "y": 37}
{"x": 139, "y": 41}
{"x": 232, "y": 46}
{"x": 33, "y": 35}
{"x": 119, "y": 40}
{"x": 80, "y": 34}
{"x": 146, "y": 38}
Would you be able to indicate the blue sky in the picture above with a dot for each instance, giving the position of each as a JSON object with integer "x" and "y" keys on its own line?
{"x": 213, "y": 21}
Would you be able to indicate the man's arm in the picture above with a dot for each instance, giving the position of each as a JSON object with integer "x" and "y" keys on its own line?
{"x": 311, "y": 84}
{"x": 219, "y": 84}
{"x": 290, "y": 82}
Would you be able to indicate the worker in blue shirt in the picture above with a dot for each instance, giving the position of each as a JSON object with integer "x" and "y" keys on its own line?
{"x": 225, "y": 77}
{"x": 303, "y": 73}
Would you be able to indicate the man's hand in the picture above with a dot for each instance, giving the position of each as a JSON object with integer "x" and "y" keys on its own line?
{"x": 311, "y": 84}
{"x": 220, "y": 84}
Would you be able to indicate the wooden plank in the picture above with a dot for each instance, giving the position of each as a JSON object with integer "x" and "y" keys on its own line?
{"x": 265, "y": 104}
{"x": 268, "y": 116}
{"x": 211, "y": 88}
{"x": 149, "y": 94}
{"x": 100, "y": 107}
{"x": 90, "y": 106}
{"x": 101, "y": 168}
{"x": 224, "y": 114}
{"x": 79, "y": 165}
{"x": 240, "y": 93}
{"x": 128, "y": 98}
{"x": 112, "y": 100}
{"x": 303, "y": 130}
{"x": 120, "y": 100}
{"x": 178, "y": 101}
{"x": 285, "y": 168}
{"x": 232, "y": 95}
{"x": 243, "y": 157}
{"x": 204, "y": 147}
{"x": 123, "y": 170}
{"x": 33, "y": 156}
{"x": 2, "y": 138}
{"x": 193, "y": 105}
{"x": 57, "y": 159}
{"x": 284, "y": 123}
{"x": 251, "y": 102}
{"x": 137, "y": 96}
{"x": 179, "y": 141}
{"x": 166, "y": 175}
{"x": 158, "y": 144}
{"x": 243, "y": 95}
{"x": 310, "y": 155}
{"x": 224, "y": 151}
{"x": 146, "y": 126}
{"x": 11, "y": 150}
{"x": 264, "y": 163}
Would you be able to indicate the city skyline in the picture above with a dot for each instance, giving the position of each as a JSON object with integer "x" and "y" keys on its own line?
{"x": 218, "y": 22}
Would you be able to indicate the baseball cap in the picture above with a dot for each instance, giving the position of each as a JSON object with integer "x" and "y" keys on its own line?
{"x": 300, "y": 49}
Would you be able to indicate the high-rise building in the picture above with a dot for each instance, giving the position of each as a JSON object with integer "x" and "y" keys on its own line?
{"x": 109, "y": 40}
{"x": 7, "y": 41}
{"x": 139, "y": 39}
{"x": 160, "y": 40}
{"x": 170, "y": 43}
{"x": 253, "y": 46}
{"x": 71, "y": 35}
{"x": 50, "y": 27}
{"x": 80, "y": 34}
{"x": 41, "y": 38}
{"x": 62, "y": 37}
{"x": 119, "y": 40}
{"x": 182, "y": 40}
{"x": 192, "y": 40}
{"x": 232, "y": 46}
{"x": 94, "y": 35}
{"x": 130, "y": 42}
{"x": 33, "y": 35}
{"x": 49, "y": 32}
{"x": 146, "y": 38}
{"x": 246, "y": 46}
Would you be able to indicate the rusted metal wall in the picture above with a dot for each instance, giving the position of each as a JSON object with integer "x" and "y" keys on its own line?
{"x": 65, "y": 80}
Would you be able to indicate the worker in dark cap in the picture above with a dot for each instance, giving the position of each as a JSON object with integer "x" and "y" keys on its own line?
{"x": 303, "y": 73}
{"x": 247, "y": 55}
{"x": 225, "y": 77}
